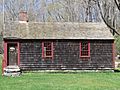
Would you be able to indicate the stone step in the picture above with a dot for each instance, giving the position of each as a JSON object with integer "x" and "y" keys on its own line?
{"x": 12, "y": 71}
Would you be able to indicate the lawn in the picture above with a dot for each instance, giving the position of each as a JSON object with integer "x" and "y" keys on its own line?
{"x": 62, "y": 81}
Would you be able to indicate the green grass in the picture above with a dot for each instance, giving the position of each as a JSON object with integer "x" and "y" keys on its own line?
{"x": 62, "y": 81}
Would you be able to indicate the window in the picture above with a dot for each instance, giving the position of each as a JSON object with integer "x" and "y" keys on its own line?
{"x": 47, "y": 49}
{"x": 84, "y": 49}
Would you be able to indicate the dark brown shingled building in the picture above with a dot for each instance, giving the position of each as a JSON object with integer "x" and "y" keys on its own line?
{"x": 58, "y": 46}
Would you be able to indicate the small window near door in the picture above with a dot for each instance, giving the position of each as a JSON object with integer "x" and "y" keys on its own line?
{"x": 47, "y": 49}
{"x": 84, "y": 49}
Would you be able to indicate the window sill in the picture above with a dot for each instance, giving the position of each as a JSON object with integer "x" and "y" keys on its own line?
{"x": 48, "y": 57}
{"x": 84, "y": 56}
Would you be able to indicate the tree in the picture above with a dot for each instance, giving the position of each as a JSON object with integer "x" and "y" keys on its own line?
{"x": 66, "y": 11}
{"x": 53, "y": 10}
{"x": 109, "y": 14}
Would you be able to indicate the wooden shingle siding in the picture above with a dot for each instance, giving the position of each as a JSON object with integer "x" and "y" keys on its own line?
{"x": 66, "y": 55}
{"x": 30, "y": 52}
{"x": 101, "y": 54}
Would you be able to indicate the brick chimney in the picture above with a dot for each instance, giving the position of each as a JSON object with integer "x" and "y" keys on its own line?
{"x": 23, "y": 16}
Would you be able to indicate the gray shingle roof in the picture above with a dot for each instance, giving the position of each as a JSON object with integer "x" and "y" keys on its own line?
{"x": 57, "y": 30}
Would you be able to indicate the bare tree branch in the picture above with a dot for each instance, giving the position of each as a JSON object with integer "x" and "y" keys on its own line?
{"x": 114, "y": 30}
{"x": 117, "y": 4}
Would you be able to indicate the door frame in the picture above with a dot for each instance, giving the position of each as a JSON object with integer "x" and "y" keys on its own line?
{"x": 6, "y": 52}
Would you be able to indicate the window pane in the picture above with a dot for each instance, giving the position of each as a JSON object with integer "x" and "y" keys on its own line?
{"x": 84, "y": 53}
{"x": 48, "y": 53}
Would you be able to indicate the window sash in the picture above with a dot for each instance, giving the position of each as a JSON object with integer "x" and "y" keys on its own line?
{"x": 47, "y": 50}
{"x": 84, "y": 49}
